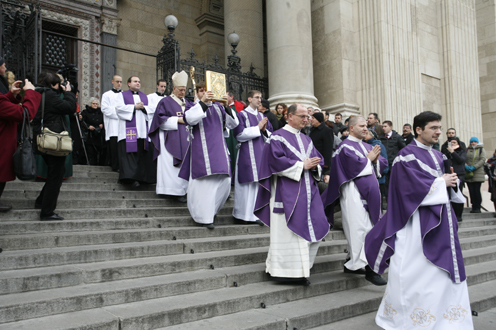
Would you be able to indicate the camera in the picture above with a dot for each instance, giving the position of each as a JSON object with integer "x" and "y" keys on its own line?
{"x": 69, "y": 72}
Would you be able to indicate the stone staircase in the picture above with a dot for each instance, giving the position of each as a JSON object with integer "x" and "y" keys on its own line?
{"x": 128, "y": 260}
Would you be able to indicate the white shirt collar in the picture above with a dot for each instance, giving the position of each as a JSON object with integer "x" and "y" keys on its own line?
{"x": 354, "y": 139}
{"x": 291, "y": 129}
{"x": 423, "y": 146}
{"x": 251, "y": 110}
{"x": 389, "y": 134}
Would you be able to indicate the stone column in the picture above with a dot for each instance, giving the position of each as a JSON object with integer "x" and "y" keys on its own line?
{"x": 461, "y": 68}
{"x": 289, "y": 48}
{"x": 486, "y": 36}
{"x": 109, "y": 55}
{"x": 245, "y": 17}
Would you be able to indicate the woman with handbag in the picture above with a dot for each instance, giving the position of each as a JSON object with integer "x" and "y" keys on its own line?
{"x": 474, "y": 173}
{"x": 11, "y": 113}
{"x": 51, "y": 115}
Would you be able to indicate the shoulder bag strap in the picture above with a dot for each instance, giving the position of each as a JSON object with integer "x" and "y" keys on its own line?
{"x": 42, "y": 109}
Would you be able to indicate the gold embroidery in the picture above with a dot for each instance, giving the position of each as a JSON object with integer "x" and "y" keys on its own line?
{"x": 455, "y": 314}
{"x": 422, "y": 318}
{"x": 389, "y": 311}
{"x": 433, "y": 189}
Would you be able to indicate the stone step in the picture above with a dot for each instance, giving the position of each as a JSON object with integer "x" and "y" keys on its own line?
{"x": 32, "y": 194}
{"x": 115, "y": 203}
{"x": 477, "y": 222}
{"x": 476, "y": 231}
{"x": 81, "y": 238}
{"x": 25, "y": 227}
{"x": 105, "y": 213}
{"x": 330, "y": 258}
{"x": 110, "y": 185}
{"x": 92, "y": 168}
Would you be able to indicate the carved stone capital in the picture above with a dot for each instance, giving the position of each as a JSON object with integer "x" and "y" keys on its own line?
{"x": 110, "y": 25}
{"x": 110, "y": 3}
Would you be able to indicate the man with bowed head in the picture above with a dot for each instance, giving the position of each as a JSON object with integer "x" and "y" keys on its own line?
{"x": 355, "y": 168}
{"x": 170, "y": 139}
{"x": 418, "y": 239}
{"x": 288, "y": 200}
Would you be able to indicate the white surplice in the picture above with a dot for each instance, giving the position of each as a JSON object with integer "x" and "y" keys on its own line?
{"x": 356, "y": 219}
{"x": 245, "y": 194}
{"x": 125, "y": 113}
{"x": 153, "y": 100}
{"x": 207, "y": 195}
{"x": 168, "y": 180}
{"x": 289, "y": 254}
{"x": 419, "y": 295}
{"x": 110, "y": 119}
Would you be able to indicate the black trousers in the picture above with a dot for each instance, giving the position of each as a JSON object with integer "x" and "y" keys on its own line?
{"x": 2, "y": 186}
{"x": 474, "y": 188}
{"x": 112, "y": 153}
{"x": 458, "y": 207}
{"x": 50, "y": 192}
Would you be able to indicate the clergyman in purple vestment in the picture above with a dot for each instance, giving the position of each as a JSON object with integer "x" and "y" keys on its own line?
{"x": 418, "y": 239}
{"x": 355, "y": 167}
{"x": 288, "y": 199}
{"x": 169, "y": 134}
{"x": 251, "y": 133}
{"x": 207, "y": 164}
{"x": 136, "y": 164}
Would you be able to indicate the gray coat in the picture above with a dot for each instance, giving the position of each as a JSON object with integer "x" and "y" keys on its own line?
{"x": 478, "y": 162}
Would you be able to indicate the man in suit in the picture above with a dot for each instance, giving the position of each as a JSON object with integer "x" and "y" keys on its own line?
{"x": 322, "y": 138}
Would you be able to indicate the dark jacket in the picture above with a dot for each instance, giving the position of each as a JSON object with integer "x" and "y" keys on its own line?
{"x": 57, "y": 105}
{"x": 323, "y": 140}
{"x": 458, "y": 159}
{"x": 94, "y": 117}
{"x": 273, "y": 120}
{"x": 337, "y": 127}
{"x": 393, "y": 145}
{"x": 409, "y": 138}
{"x": 375, "y": 142}
{"x": 444, "y": 147}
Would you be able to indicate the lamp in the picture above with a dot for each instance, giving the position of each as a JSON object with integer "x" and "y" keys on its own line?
{"x": 171, "y": 23}
{"x": 233, "y": 39}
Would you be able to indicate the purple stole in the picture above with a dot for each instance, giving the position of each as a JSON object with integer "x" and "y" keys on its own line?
{"x": 412, "y": 175}
{"x": 299, "y": 201}
{"x": 131, "y": 130}
{"x": 348, "y": 161}
{"x": 176, "y": 142}
{"x": 250, "y": 152}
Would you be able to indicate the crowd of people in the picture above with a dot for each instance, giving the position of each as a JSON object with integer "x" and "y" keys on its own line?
{"x": 292, "y": 168}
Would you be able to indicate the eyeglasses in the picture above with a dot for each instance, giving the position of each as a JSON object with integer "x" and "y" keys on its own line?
{"x": 303, "y": 116}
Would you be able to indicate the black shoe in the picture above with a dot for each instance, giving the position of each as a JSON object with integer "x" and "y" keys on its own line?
{"x": 360, "y": 271}
{"x": 373, "y": 277}
{"x": 182, "y": 199}
{"x": 5, "y": 208}
{"x": 209, "y": 225}
{"x": 475, "y": 211}
{"x": 135, "y": 184}
{"x": 37, "y": 205}
{"x": 260, "y": 223}
{"x": 291, "y": 280}
{"x": 53, "y": 217}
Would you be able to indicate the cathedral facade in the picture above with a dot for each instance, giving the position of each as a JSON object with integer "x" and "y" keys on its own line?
{"x": 392, "y": 57}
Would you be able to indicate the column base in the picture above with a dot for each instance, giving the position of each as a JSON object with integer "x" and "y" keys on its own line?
{"x": 345, "y": 109}
{"x": 307, "y": 100}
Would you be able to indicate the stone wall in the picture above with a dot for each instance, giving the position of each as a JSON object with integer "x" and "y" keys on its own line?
{"x": 486, "y": 33}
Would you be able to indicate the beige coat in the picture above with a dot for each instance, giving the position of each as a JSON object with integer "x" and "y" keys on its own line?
{"x": 478, "y": 162}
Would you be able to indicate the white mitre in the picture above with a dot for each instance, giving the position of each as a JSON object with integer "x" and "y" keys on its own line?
{"x": 180, "y": 79}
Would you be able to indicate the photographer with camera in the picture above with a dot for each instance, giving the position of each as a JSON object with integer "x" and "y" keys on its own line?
{"x": 93, "y": 117}
{"x": 11, "y": 113}
{"x": 58, "y": 102}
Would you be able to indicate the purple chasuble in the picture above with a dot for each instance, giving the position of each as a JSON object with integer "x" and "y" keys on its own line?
{"x": 250, "y": 152}
{"x": 298, "y": 200}
{"x": 413, "y": 173}
{"x": 131, "y": 130}
{"x": 207, "y": 151}
{"x": 176, "y": 142}
{"x": 348, "y": 161}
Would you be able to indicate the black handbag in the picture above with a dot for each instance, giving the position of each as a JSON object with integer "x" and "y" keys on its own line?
{"x": 24, "y": 158}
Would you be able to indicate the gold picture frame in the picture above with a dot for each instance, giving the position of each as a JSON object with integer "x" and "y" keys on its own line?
{"x": 216, "y": 83}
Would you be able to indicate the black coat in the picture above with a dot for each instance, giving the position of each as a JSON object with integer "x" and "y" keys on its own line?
{"x": 94, "y": 117}
{"x": 273, "y": 120}
{"x": 444, "y": 147}
{"x": 56, "y": 107}
{"x": 323, "y": 140}
{"x": 409, "y": 138}
{"x": 458, "y": 158}
{"x": 393, "y": 145}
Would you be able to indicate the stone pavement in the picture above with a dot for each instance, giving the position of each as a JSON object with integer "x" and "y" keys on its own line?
{"x": 129, "y": 260}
